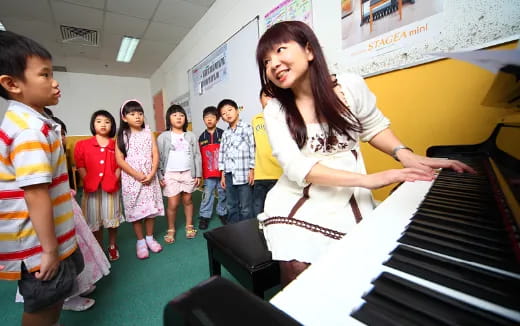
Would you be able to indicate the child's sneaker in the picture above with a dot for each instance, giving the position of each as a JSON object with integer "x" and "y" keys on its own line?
{"x": 78, "y": 303}
{"x": 142, "y": 251}
{"x": 203, "y": 223}
{"x": 154, "y": 245}
{"x": 113, "y": 253}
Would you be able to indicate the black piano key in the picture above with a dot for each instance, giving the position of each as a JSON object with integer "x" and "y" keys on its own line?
{"x": 450, "y": 209}
{"x": 419, "y": 299}
{"x": 456, "y": 202}
{"x": 459, "y": 195}
{"x": 472, "y": 226}
{"x": 498, "y": 238}
{"x": 459, "y": 251}
{"x": 383, "y": 312}
{"x": 480, "y": 243}
{"x": 491, "y": 286}
{"x": 468, "y": 217}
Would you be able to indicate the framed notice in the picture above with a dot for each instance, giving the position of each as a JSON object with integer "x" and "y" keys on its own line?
{"x": 290, "y": 10}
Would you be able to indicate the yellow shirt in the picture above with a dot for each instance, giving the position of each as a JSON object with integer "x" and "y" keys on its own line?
{"x": 266, "y": 166}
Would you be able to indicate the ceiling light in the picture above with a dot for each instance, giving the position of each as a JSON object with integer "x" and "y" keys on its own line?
{"x": 2, "y": 27}
{"x": 127, "y": 49}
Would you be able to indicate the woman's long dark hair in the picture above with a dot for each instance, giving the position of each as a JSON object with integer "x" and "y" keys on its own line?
{"x": 174, "y": 109}
{"x": 329, "y": 108}
{"x": 124, "y": 129}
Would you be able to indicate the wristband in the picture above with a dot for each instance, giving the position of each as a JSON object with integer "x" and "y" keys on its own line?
{"x": 397, "y": 148}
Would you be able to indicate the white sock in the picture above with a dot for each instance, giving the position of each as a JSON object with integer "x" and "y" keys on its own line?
{"x": 149, "y": 238}
{"x": 141, "y": 242}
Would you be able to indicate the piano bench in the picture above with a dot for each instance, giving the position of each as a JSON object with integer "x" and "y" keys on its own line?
{"x": 204, "y": 305}
{"x": 241, "y": 249}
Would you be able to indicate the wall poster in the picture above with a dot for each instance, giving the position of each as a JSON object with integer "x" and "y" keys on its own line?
{"x": 210, "y": 71}
{"x": 290, "y": 10}
{"x": 373, "y": 28}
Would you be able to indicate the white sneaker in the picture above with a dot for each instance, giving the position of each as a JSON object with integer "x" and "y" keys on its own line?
{"x": 78, "y": 303}
{"x": 89, "y": 291}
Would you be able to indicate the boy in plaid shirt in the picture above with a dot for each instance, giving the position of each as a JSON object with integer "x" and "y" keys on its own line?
{"x": 236, "y": 160}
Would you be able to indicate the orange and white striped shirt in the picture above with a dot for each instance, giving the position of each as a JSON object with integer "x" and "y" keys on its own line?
{"x": 31, "y": 153}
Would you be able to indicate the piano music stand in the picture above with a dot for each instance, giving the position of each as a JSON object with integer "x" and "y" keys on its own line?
{"x": 241, "y": 249}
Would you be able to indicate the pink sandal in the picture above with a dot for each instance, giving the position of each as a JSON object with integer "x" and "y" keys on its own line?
{"x": 142, "y": 251}
{"x": 154, "y": 246}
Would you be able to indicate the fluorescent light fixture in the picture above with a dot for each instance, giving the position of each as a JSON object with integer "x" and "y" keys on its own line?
{"x": 2, "y": 27}
{"x": 127, "y": 49}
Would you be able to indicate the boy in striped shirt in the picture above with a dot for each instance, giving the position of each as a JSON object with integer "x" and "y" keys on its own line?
{"x": 37, "y": 239}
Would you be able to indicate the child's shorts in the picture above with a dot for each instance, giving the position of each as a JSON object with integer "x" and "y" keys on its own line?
{"x": 38, "y": 294}
{"x": 177, "y": 182}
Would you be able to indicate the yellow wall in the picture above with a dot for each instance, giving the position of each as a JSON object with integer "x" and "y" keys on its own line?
{"x": 433, "y": 104}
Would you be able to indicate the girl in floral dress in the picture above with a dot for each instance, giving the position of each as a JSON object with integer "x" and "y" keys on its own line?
{"x": 138, "y": 157}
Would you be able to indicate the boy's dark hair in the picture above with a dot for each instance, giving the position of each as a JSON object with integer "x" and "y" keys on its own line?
{"x": 105, "y": 114}
{"x": 174, "y": 109}
{"x": 225, "y": 102}
{"x": 210, "y": 110}
{"x": 14, "y": 51}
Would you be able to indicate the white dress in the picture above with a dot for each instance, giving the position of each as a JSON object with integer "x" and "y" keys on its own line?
{"x": 327, "y": 213}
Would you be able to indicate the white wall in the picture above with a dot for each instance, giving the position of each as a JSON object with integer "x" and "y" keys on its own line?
{"x": 222, "y": 20}
{"x": 82, "y": 94}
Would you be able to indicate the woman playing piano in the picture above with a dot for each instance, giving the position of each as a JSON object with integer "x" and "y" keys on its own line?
{"x": 315, "y": 129}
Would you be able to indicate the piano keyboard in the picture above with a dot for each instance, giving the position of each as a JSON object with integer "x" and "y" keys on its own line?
{"x": 445, "y": 261}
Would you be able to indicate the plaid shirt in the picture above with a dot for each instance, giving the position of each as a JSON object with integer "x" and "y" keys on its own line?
{"x": 237, "y": 152}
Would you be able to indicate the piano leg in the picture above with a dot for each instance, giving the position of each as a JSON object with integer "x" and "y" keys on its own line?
{"x": 289, "y": 270}
{"x": 214, "y": 265}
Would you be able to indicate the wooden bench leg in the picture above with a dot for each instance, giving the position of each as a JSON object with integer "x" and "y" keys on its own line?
{"x": 214, "y": 266}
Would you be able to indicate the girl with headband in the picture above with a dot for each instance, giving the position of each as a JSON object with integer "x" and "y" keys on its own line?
{"x": 138, "y": 157}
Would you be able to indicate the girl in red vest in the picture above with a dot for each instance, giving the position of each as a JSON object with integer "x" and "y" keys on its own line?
{"x": 96, "y": 161}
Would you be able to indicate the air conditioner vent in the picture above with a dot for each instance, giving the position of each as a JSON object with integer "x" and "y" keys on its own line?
{"x": 80, "y": 36}
{"x": 59, "y": 68}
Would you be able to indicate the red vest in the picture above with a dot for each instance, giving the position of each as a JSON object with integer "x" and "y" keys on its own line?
{"x": 209, "y": 155}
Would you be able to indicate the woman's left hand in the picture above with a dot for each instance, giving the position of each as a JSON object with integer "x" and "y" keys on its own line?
{"x": 411, "y": 160}
{"x": 197, "y": 182}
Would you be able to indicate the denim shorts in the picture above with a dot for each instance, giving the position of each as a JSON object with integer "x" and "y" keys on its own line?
{"x": 38, "y": 294}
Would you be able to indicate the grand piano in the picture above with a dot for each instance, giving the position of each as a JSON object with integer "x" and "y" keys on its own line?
{"x": 433, "y": 253}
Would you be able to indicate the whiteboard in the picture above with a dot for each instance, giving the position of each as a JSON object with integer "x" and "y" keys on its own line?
{"x": 241, "y": 83}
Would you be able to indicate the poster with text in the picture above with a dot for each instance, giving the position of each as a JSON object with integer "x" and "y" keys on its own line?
{"x": 300, "y": 10}
{"x": 210, "y": 71}
{"x": 371, "y": 28}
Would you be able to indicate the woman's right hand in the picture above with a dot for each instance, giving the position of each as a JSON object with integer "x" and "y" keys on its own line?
{"x": 384, "y": 178}
{"x": 162, "y": 183}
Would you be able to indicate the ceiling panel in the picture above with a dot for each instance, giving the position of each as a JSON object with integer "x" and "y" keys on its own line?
{"x": 124, "y": 25}
{"x": 205, "y": 3}
{"x": 161, "y": 24}
{"x": 141, "y": 9}
{"x": 28, "y": 9}
{"x": 165, "y": 33}
{"x": 179, "y": 13}
{"x": 99, "y": 4}
{"x": 37, "y": 29}
{"x": 77, "y": 16}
